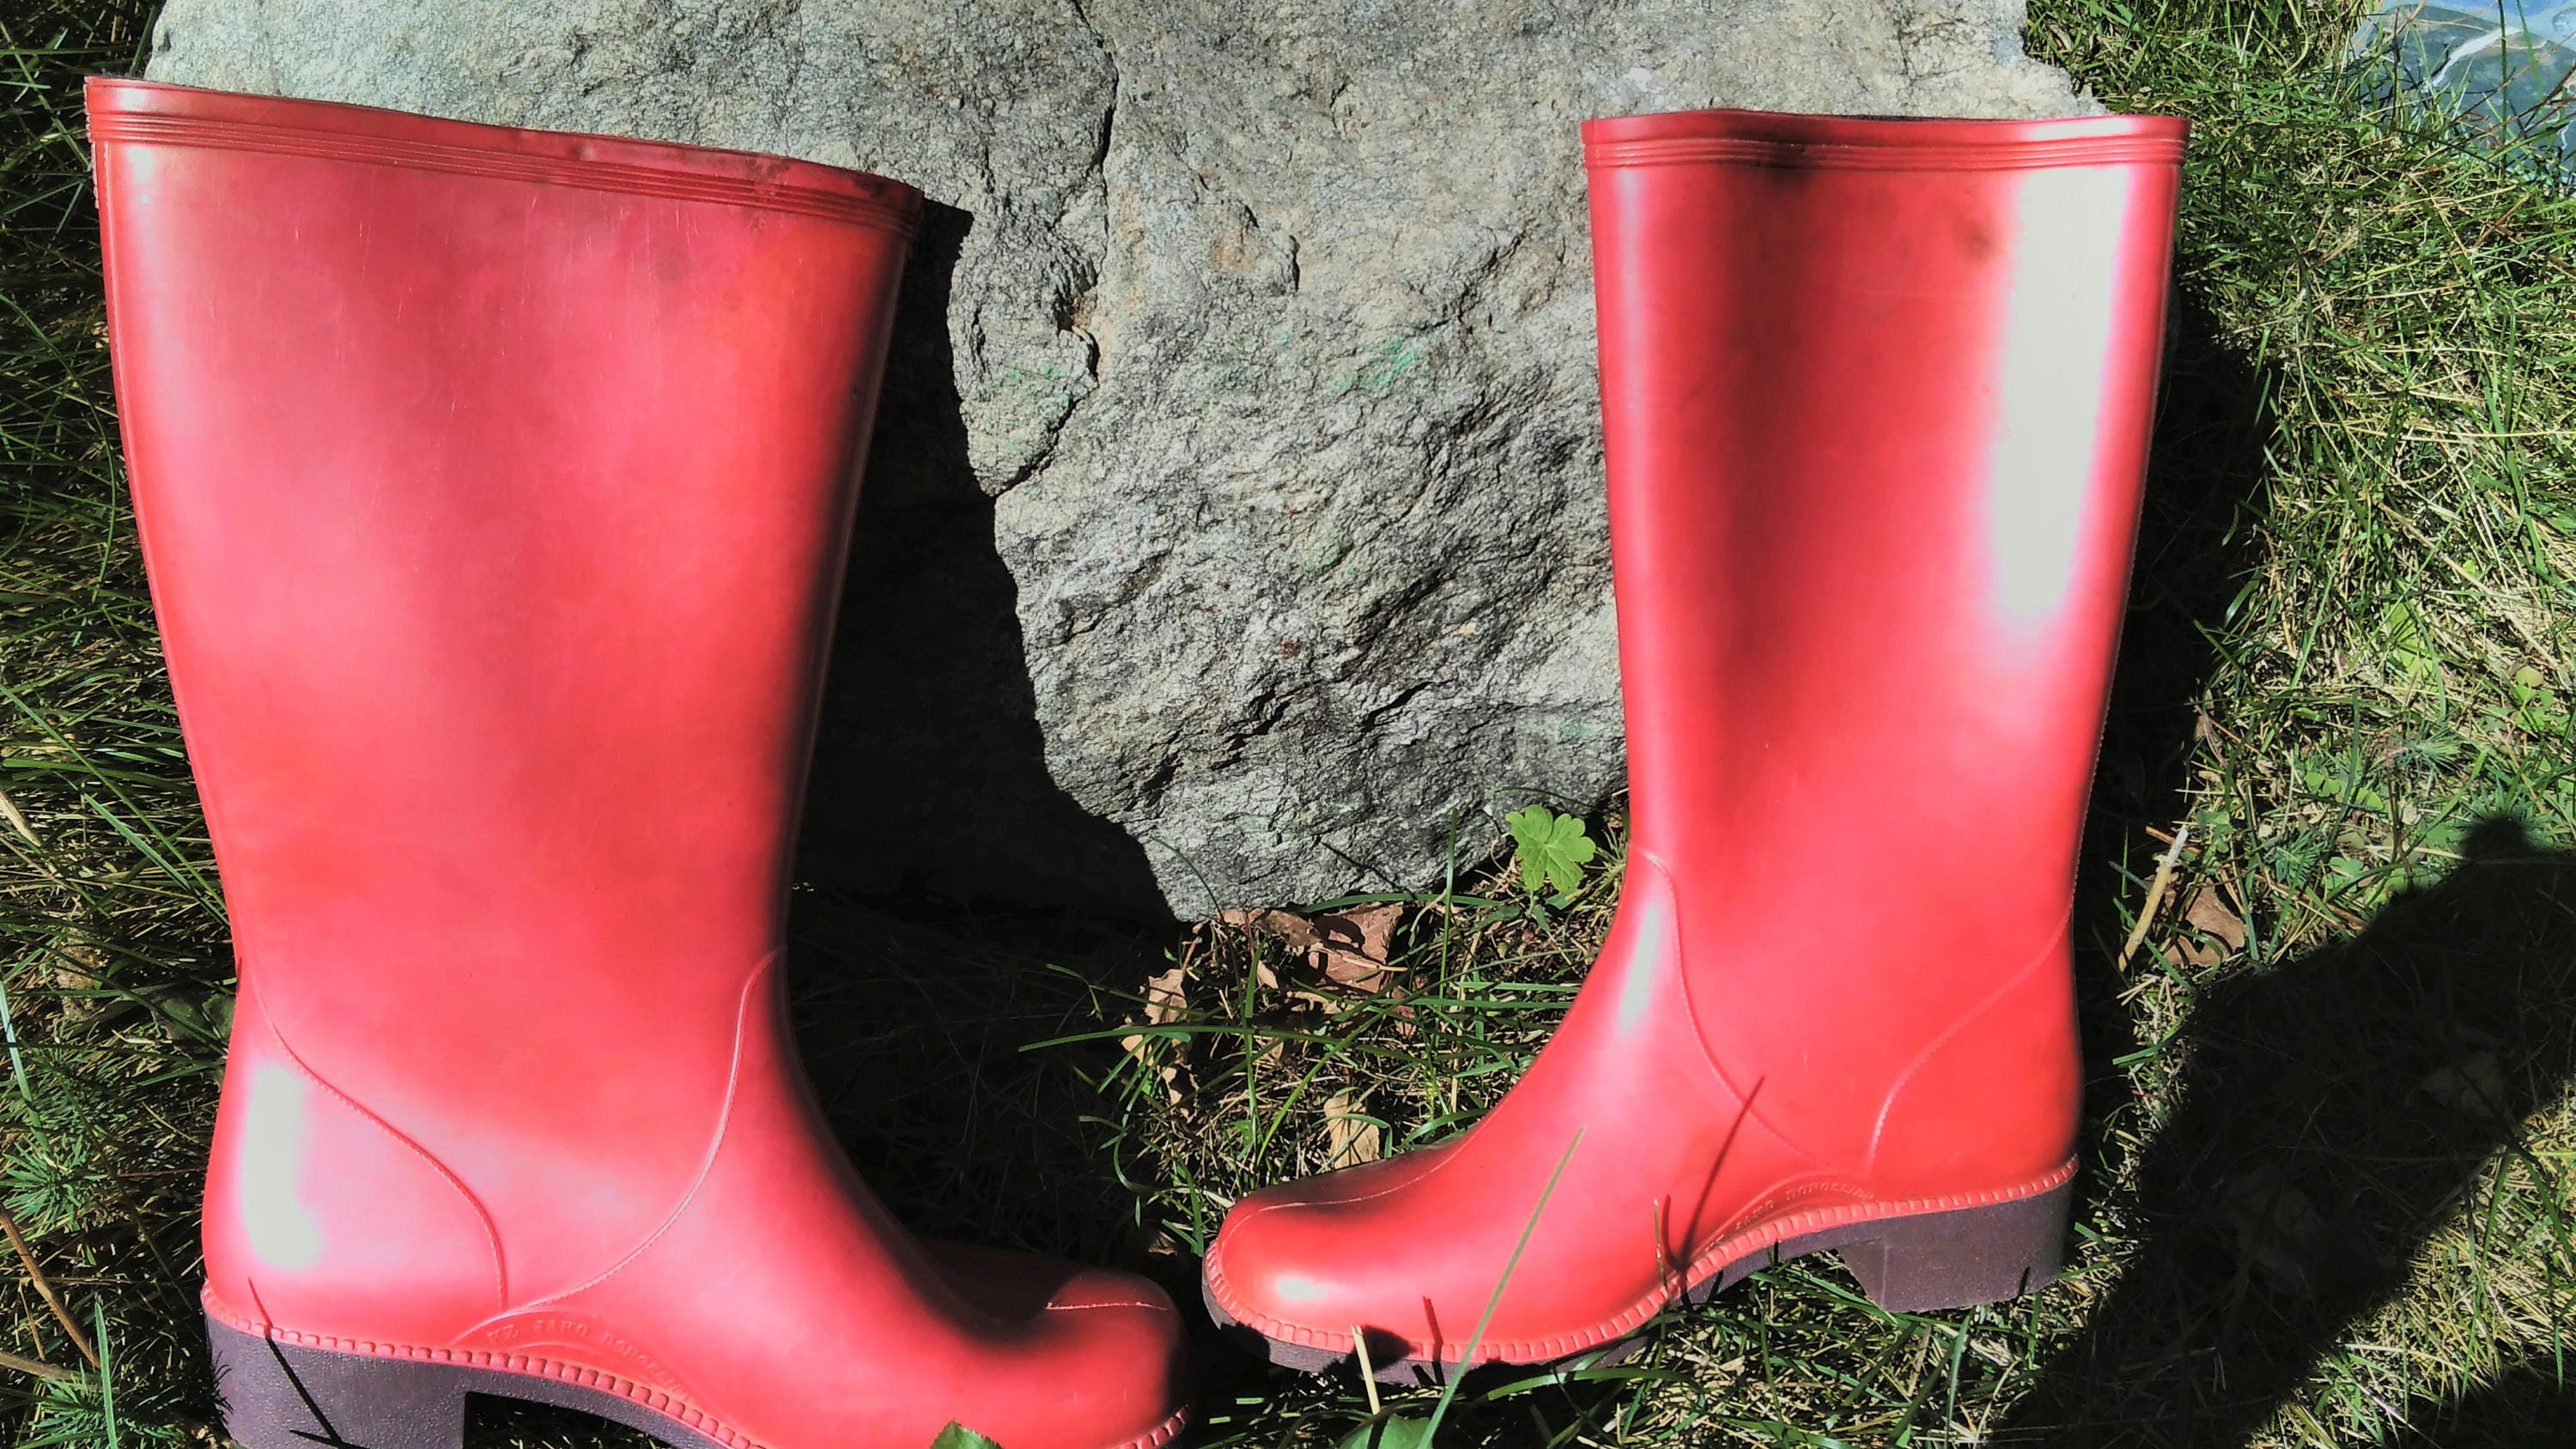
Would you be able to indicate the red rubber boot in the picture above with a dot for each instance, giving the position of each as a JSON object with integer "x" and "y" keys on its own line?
{"x": 494, "y": 487}
{"x": 1876, "y": 396}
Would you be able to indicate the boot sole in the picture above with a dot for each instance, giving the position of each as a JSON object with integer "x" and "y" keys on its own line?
{"x": 278, "y": 1395}
{"x": 1915, "y": 1263}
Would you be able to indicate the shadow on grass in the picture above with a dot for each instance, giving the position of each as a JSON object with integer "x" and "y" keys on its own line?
{"x": 929, "y": 802}
{"x": 913, "y": 1025}
{"x": 2334, "y": 1110}
{"x": 2533, "y": 1408}
{"x": 2208, "y": 466}
{"x": 2332, "y": 1113}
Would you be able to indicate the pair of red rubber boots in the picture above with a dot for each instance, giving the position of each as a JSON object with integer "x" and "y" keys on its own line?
{"x": 494, "y": 487}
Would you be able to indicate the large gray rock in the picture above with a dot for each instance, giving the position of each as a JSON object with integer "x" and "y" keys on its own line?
{"x": 1234, "y": 528}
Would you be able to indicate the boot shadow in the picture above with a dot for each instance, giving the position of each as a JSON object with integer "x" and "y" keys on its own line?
{"x": 2333, "y": 1113}
{"x": 929, "y": 775}
{"x": 2206, "y": 479}
{"x": 2185, "y": 1351}
{"x": 916, "y": 1028}
{"x": 2533, "y": 1407}
{"x": 953, "y": 905}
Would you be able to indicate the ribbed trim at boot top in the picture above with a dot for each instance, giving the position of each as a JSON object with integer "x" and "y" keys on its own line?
{"x": 1880, "y": 143}
{"x": 150, "y": 113}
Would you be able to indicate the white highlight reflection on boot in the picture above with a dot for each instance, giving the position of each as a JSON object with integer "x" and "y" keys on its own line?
{"x": 282, "y": 1230}
{"x": 2057, "y": 342}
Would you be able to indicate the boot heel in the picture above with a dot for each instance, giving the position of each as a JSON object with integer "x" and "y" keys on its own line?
{"x": 285, "y": 1396}
{"x": 1958, "y": 1259}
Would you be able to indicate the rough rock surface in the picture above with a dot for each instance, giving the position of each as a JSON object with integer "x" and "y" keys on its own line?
{"x": 1234, "y": 530}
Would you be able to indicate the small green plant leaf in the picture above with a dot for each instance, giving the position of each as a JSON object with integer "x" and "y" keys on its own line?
{"x": 1401, "y": 1432}
{"x": 958, "y": 1436}
{"x": 2410, "y": 648}
{"x": 1553, "y": 850}
{"x": 2349, "y": 879}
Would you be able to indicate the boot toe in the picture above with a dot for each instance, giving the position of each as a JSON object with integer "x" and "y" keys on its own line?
{"x": 1275, "y": 1268}
{"x": 1125, "y": 1383}
{"x": 1304, "y": 1263}
{"x": 1104, "y": 1350}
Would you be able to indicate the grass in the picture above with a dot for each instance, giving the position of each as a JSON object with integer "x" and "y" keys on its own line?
{"x": 116, "y": 976}
{"x": 2328, "y": 897}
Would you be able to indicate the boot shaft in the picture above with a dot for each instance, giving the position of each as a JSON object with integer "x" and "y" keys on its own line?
{"x": 494, "y": 488}
{"x": 1876, "y": 397}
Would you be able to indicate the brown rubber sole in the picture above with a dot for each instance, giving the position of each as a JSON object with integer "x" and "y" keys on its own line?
{"x": 1916, "y": 1263}
{"x": 287, "y": 1396}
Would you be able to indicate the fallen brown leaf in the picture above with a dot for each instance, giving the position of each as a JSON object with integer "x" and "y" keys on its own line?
{"x": 1164, "y": 1003}
{"x": 2280, "y": 1234}
{"x": 2209, "y": 915}
{"x": 2474, "y": 1084}
{"x": 1354, "y": 972}
{"x": 1164, "y": 999}
{"x": 1349, "y": 1139}
{"x": 1292, "y": 929}
{"x": 1362, "y": 930}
